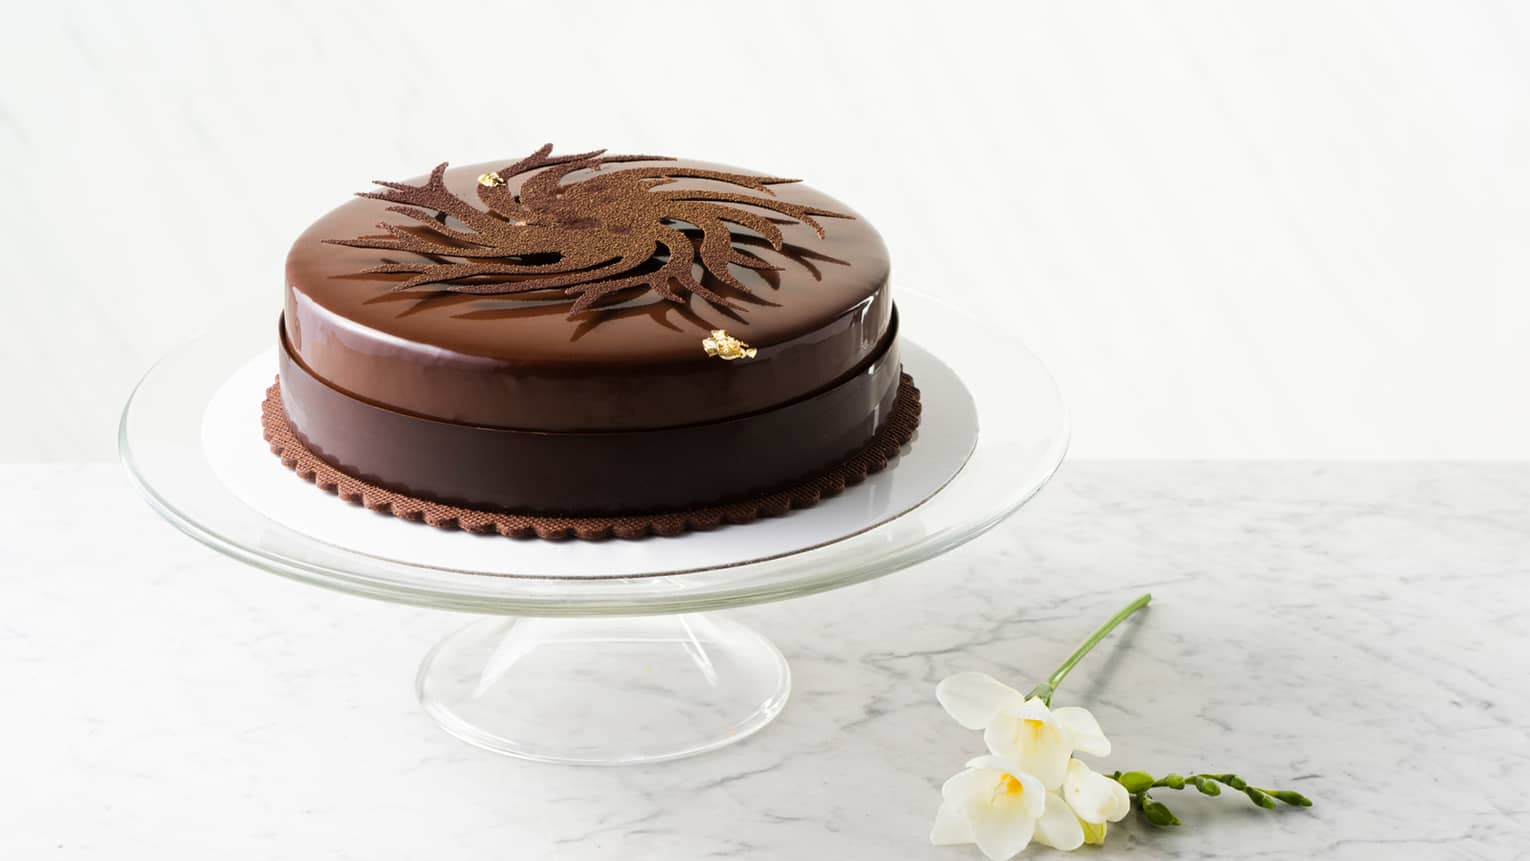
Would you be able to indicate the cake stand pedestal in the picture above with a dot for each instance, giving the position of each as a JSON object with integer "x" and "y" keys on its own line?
{"x": 608, "y": 653}
{"x": 605, "y": 690}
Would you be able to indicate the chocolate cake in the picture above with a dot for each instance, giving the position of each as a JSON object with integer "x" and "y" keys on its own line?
{"x": 588, "y": 334}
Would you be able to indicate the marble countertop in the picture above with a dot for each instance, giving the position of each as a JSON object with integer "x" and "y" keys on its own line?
{"x": 1356, "y": 632}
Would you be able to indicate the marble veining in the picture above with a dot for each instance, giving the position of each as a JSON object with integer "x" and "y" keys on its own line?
{"x": 1352, "y": 631}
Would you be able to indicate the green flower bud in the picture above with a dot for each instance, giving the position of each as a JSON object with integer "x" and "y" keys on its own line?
{"x": 1294, "y": 798}
{"x": 1136, "y": 781}
{"x": 1207, "y": 787}
{"x": 1259, "y": 798}
{"x": 1157, "y": 813}
{"x": 1173, "y": 781}
{"x": 1233, "y": 780}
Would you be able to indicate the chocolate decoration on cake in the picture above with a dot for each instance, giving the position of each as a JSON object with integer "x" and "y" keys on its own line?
{"x": 517, "y": 361}
{"x": 478, "y": 386}
{"x": 592, "y": 238}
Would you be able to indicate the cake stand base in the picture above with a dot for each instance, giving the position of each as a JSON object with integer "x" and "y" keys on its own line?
{"x": 605, "y": 690}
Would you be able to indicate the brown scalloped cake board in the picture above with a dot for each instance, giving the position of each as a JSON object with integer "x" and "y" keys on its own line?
{"x": 897, "y": 432}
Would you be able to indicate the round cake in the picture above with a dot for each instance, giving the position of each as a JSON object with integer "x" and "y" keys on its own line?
{"x": 588, "y": 334}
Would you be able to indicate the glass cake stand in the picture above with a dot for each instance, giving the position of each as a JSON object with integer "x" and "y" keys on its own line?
{"x": 627, "y": 665}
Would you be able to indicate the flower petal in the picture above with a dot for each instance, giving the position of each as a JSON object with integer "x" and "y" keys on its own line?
{"x": 974, "y": 783}
{"x": 1093, "y": 796}
{"x": 951, "y": 827}
{"x": 1084, "y": 729}
{"x": 1034, "y": 798}
{"x": 998, "y": 831}
{"x": 1058, "y": 827}
{"x": 1034, "y": 707}
{"x": 974, "y": 698}
{"x": 1031, "y": 794}
{"x": 1033, "y": 740}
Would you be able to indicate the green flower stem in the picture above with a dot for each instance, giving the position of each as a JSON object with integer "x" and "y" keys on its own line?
{"x": 1049, "y": 687}
{"x": 1138, "y": 783}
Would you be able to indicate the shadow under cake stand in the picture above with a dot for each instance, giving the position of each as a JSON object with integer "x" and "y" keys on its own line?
{"x": 600, "y": 652}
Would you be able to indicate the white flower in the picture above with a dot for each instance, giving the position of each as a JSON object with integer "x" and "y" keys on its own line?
{"x": 1001, "y": 807}
{"x": 1038, "y": 739}
{"x": 1095, "y": 798}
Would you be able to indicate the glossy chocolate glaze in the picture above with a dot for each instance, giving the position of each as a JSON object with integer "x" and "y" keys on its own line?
{"x": 612, "y": 472}
{"x": 521, "y": 363}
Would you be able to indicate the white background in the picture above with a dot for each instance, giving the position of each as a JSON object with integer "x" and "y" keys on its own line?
{"x": 1274, "y": 229}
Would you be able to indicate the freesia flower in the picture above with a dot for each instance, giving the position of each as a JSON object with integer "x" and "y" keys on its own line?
{"x": 1030, "y": 787}
{"x": 1041, "y": 740}
{"x": 1002, "y": 808}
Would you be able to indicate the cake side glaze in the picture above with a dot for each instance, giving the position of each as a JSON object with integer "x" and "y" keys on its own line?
{"x": 511, "y": 362}
{"x": 590, "y": 474}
